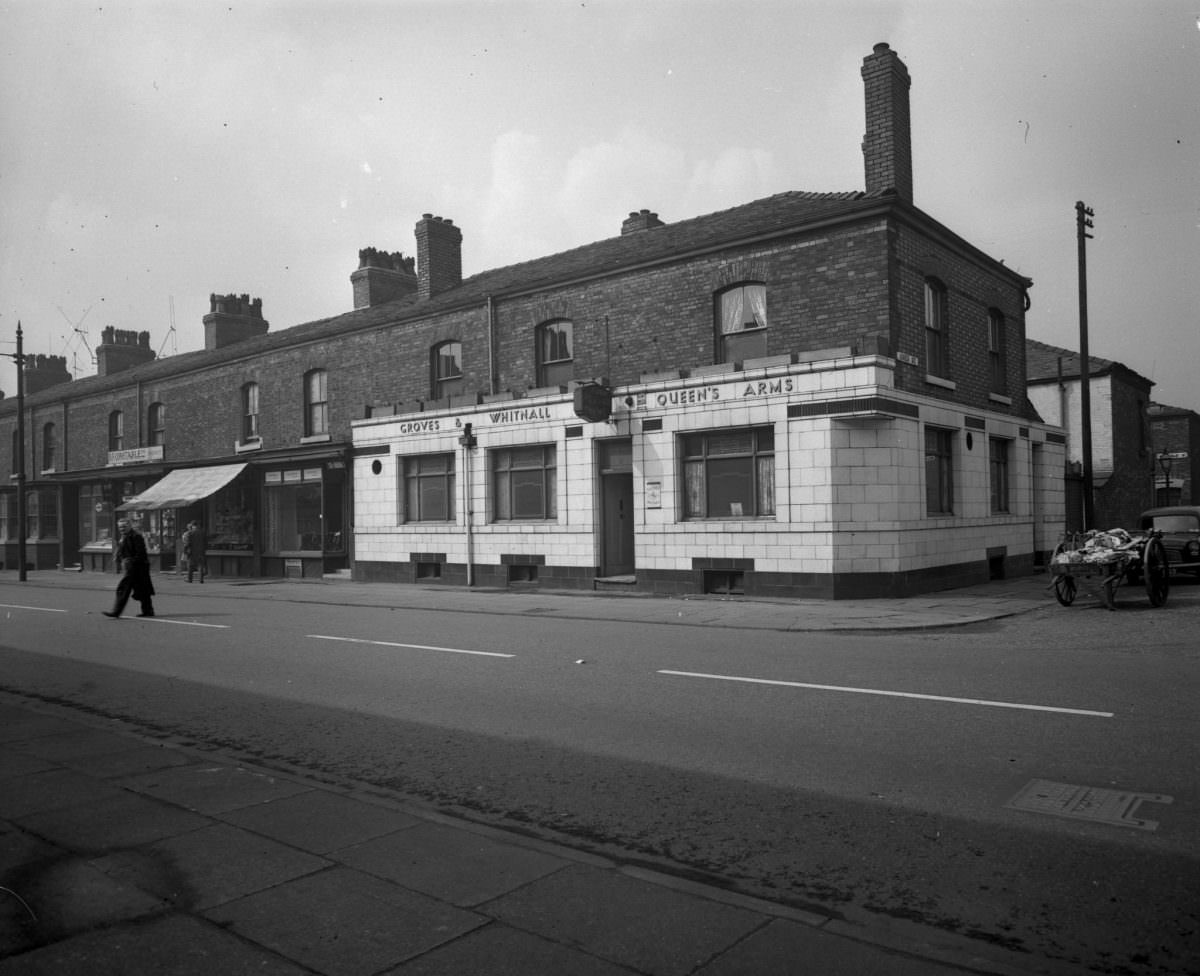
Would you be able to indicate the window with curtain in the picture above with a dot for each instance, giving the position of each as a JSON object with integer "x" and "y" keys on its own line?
{"x": 555, "y": 353}
{"x": 157, "y": 424}
{"x": 729, "y": 473}
{"x": 741, "y": 324}
{"x": 316, "y": 403}
{"x": 939, "y": 471}
{"x": 428, "y": 492}
{"x": 49, "y": 447}
{"x": 250, "y": 412}
{"x": 937, "y": 358}
{"x": 446, "y": 370}
{"x": 997, "y": 353}
{"x": 998, "y": 468}
{"x": 525, "y": 483}
{"x": 116, "y": 431}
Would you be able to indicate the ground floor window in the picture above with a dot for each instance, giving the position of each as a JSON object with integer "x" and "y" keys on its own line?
{"x": 729, "y": 473}
{"x": 525, "y": 483}
{"x": 95, "y": 515}
{"x": 302, "y": 511}
{"x": 228, "y": 519}
{"x": 939, "y": 471}
{"x": 41, "y": 513}
{"x": 998, "y": 467}
{"x": 8, "y": 516}
{"x": 428, "y": 491}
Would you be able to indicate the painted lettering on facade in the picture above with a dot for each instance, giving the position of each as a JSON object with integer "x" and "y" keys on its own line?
{"x": 520, "y": 416}
{"x": 681, "y": 398}
{"x": 784, "y": 384}
{"x": 420, "y": 426}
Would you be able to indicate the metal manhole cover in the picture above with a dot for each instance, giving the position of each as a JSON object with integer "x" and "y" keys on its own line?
{"x": 1117, "y": 808}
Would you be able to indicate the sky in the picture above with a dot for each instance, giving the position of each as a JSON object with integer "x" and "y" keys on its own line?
{"x": 154, "y": 153}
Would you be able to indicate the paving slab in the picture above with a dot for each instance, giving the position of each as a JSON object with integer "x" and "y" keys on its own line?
{"x": 111, "y": 822}
{"x": 131, "y": 762}
{"x": 50, "y": 790}
{"x": 208, "y": 867}
{"x": 78, "y": 743}
{"x": 364, "y": 925}
{"x": 502, "y": 951}
{"x": 627, "y": 921}
{"x": 320, "y": 821}
{"x": 456, "y": 865}
{"x": 173, "y": 945}
{"x": 213, "y": 788}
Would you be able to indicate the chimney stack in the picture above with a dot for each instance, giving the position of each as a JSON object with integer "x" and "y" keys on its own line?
{"x": 42, "y": 372}
{"x": 382, "y": 277}
{"x": 640, "y": 220}
{"x": 439, "y": 256}
{"x": 887, "y": 145}
{"x": 122, "y": 349}
{"x": 232, "y": 318}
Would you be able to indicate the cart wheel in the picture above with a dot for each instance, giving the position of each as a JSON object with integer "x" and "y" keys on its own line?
{"x": 1157, "y": 572}
{"x": 1064, "y": 589}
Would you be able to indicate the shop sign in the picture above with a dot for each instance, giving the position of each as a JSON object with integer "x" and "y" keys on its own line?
{"x": 135, "y": 455}
{"x": 701, "y": 395}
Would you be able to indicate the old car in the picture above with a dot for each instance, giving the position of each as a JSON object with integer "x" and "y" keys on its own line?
{"x": 1180, "y": 526}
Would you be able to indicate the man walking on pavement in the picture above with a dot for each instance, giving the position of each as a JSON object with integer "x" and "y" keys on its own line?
{"x": 194, "y": 545}
{"x": 134, "y": 565}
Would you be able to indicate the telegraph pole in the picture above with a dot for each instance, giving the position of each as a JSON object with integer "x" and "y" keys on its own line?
{"x": 1083, "y": 220}
{"x": 19, "y": 358}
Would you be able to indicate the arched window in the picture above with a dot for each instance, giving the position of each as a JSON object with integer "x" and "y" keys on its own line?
{"x": 316, "y": 403}
{"x": 49, "y": 447}
{"x": 741, "y": 322}
{"x": 156, "y": 423}
{"x": 446, "y": 370}
{"x": 937, "y": 340}
{"x": 555, "y": 352}
{"x": 250, "y": 412}
{"x": 116, "y": 431}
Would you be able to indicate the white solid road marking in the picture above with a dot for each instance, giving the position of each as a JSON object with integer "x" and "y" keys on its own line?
{"x": 417, "y": 647}
{"x": 891, "y": 694}
{"x": 16, "y": 606}
{"x": 186, "y": 623}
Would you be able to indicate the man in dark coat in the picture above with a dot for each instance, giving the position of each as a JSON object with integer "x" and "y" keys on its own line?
{"x": 194, "y": 544}
{"x": 134, "y": 565}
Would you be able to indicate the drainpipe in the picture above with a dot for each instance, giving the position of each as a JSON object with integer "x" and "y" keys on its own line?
{"x": 491, "y": 331}
{"x": 467, "y": 441}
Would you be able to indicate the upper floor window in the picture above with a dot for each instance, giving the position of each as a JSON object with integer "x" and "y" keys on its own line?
{"x": 939, "y": 471}
{"x": 116, "y": 431}
{"x": 428, "y": 488}
{"x": 997, "y": 353}
{"x": 157, "y": 423}
{"x": 525, "y": 483}
{"x": 446, "y": 370}
{"x": 729, "y": 473}
{"x": 998, "y": 468}
{"x": 741, "y": 315}
{"x": 937, "y": 357}
{"x": 555, "y": 353}
{"x": 250, "y": 412}
{"x": 49, "y": 447}
{"x": 316, "y": 403}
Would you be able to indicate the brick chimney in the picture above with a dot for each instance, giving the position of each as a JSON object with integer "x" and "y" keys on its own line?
{"x": 640, "y": 220}
{"x": 122, "y": 349}
{"x": 42, "y": 372}
{"x": 232, "y": 318}
{"x": 439, "y": 256}
{"x": 887, "y": 145}
{"x": 382, "y": 277}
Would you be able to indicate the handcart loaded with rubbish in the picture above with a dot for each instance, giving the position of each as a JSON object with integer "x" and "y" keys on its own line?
{"x": 1108, "y": 559}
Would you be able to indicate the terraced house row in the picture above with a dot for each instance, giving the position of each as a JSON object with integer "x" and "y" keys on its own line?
{"x": 812, "y": 394}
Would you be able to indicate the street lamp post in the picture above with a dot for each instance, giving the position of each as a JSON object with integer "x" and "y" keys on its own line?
{"x": 19, "y": 358}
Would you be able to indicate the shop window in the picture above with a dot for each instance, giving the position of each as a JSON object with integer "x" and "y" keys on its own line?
{"x": 316, "y": 403}
{"x": 49, "y": 447}
{"x": 525, "y": 483}
{"x": 303, "y": 512}
{"x": 41, "y": 514}
{"x": 250, "y": 412}
{"x": 937, "y": 359}
{"x": 428, "y": 488}
{"x": 156, "y": 423}
{"x": 741, "y": 314}
{"x": 6, "y": 531}
{"x": 95, "y": 516}
{"x": 555, "y": 353}
{"x": 116, "y": 431}
{"x": 999, "y": 475}
{"x": 939, "y": 471}
{"x": 997, "y": 353}
{"x": 729, "y": 473}
{"x": 446, "y": 370}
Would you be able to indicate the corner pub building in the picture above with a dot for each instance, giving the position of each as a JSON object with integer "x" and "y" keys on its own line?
{"x": 809, "y": 395}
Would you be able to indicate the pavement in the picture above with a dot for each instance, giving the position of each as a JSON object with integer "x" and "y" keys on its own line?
{"x": 124, "y": 854}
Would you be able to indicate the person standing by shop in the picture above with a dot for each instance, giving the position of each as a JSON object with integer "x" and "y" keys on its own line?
{"x": 133, "y": 563}
{"x": 194, "y": 544}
